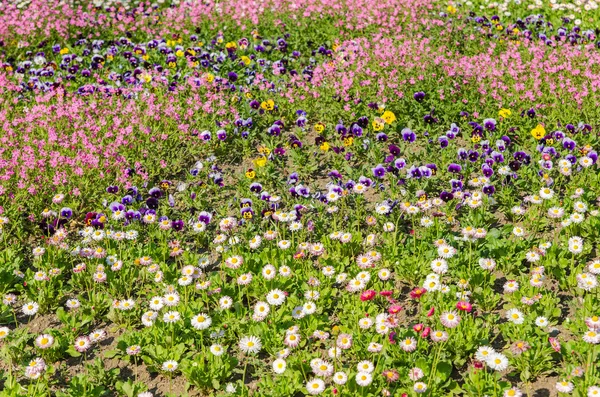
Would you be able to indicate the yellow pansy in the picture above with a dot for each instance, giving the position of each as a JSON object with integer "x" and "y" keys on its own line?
{"x": 378, "y": 124}
{"x": 268, "y": 105}
{"x": 388, "y": 116}
{"x": 261, "y": 161}
{"x": 538, "y": 132}
{"x": 504, "y": 113}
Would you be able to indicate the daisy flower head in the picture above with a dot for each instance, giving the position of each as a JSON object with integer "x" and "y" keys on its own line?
{"x": 450, "y": 319}
{"x": 363, "y": 379}
{"x": 170, "y": 366}
{"x": 315, "y": 386}
{"x": 201, "y": 321}
{"x": 515, "y": 316}
{"x": 250, "y": 344}
{"x": 497, "y": 362}
{"x": 564, "y": 387}
{"x": 279, "y": 366}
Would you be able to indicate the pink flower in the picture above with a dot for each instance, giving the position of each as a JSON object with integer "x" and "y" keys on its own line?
{"x": 555, "y": 344}
{"x": 368, "y": 295}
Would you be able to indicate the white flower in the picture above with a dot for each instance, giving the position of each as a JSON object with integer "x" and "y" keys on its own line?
{"x": 420, "y": 387}
{"x": 276, "y": 297}
{"x": 30, "y": 308}
{"x": 564, "y": 387}
{"x": 340, "y": 378}
{"x": 497, "y": 362}
{"x": 217, "y": 350}
{"x": 279, "y": 366}
{"x": 170, "y": 366}
{"x": 201, "y": 321}
{"x": 363, "y": 379}
{"x": 541, "y": 322}
{"x": 250, "y": 344}
{"x": 515, "y": 316}
{"x": 315, "y": 386}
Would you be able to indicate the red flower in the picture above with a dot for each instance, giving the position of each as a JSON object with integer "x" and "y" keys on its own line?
{"x": 394, "y": 309}
{"x": 368, "y": 295}
{"x": 417, "y": 292}
{"x": 464, "y": 306}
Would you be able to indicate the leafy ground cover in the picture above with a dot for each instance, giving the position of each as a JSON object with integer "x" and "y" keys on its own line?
{"x": 289, "y": 198}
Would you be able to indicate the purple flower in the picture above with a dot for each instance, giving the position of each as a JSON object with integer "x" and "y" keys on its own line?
{"x": 400, "y": 163}
{"x": 394, "y": 150}
{"x": 379, "y": 171}
{"x": 419, "y": 96}
{"x": 381, "y": 137}
{"x": 454, "y": 168}
{"x": 177, "y": 224}
{"x": 222, "y": 135}
{"x": 569, "y": 144}
{"x": 489, "y": 189}
{"x": 204, "y": 217}
{"x": 408, "y": 135}
{"x": 112, "y": 189}
{"x": 489, "y": 124}
{"x": 446, "y": 196}
{"x": 443, "y": 140}
{"x": 66, "y": 212}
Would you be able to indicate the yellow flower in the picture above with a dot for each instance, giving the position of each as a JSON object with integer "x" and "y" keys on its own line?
{"x": 146, "y": 77}
{"x": 475, "y": 138}
{"x": 264, "y": 150}
{"x": 378, "y": 124}
{"x": 504, "y": 113}
{"x": 250, "y": 174}
{"x": 145, "y": 57}
{"x": 348, "y": 141}
{"x": 179, "y": 53}
{"x": 209, "y": 77}
{"x": 268, "y": 105}
{"x": 499, "y": 27}
{"x": 245, "y": 60}
{"x": 451, "y": 9}
{"x": 319, "y": 127}
{"x": 231, "y": 44}
{"x": 324, "y": 146}
{"x": 388, "y": 116}
{"x": 172, "y": 65}
{"x": 538, "y": 132}
{"x": 261, "y": 161}
{"x": 64, "y": 51}
{"x": 110, "y": 57}
{"x": 248, "y": 95}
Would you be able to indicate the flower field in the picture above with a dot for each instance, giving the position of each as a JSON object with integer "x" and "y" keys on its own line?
{"x": 299, "y": 197}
